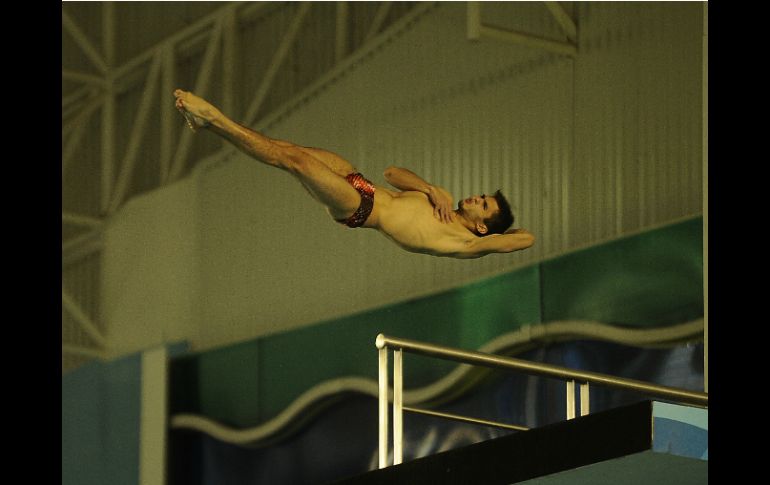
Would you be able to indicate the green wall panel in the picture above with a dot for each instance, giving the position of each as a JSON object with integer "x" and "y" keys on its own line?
{"x": 466, "y": 317}
{"x": 249, "y": 383}
{"x": 230, "y": 383}
{"x": 652, "y": 279}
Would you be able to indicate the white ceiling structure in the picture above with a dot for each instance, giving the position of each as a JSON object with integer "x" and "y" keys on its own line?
{"x": 121, "y": 136}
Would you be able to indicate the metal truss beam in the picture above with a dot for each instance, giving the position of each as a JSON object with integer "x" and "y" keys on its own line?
{"x": 82, "y": 41}
{"x": 82, "y": 246}
{"x": 529, "y": 40}
{"x": 275, "y": 64}
{"x": 82, "y": 77}
{"x": 108, "y": 33}
{"x": 74, "y": 98}
{"x": 167, "y": 113}
{"x": 73, "y": 142}
{"x": 83, "y": 116}
{"x": 244, "y": 12}
{"x": 201, "y": 88}
{"x": 137, "y": 133}
{"x": 477, "y": 30}
{"x": 564, "y": 20}
{"x": 335, "y": 72}
{"x": 80, "y": 220}
{"x": 108, "y": 149}
{"x": 81, "y": 318}
{"x": 185, "y": 43}
{"x": 229, "y": 64}
{"x": 96, "y": 92}
{"x": 341, "y": 32}
{"x": 379, "y": 19}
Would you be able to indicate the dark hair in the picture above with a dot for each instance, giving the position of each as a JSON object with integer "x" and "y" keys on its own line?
{"x": 503, "y": 219}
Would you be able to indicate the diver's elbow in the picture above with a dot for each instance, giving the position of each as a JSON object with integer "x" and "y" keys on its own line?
{"x": 389, "y": 172}
{"x": 528, "y": 240}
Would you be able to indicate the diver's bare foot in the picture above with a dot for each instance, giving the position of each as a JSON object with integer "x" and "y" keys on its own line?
{"x": 198, "y": 112}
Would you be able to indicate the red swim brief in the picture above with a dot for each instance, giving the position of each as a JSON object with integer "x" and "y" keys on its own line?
{"x": 366, "y": 189}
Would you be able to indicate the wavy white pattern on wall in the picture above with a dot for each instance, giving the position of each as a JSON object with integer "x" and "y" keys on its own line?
{"x": 444, "y": 388}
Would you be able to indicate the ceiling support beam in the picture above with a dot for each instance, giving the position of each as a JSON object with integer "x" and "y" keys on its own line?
{"x": 186, "y": 43}
{"x": 528, "y": 40}
{"x": 137, "y": 133}
{"x": 379, "y": 19}
{"x": 80, "y": 220}
{"x": 75, "y": 249}
{"x": 109, "y": 109}
{"x": 109, "y": 123}
{"x": 82, "y": 117}
{"x": 341, "y": 32}
{"x": 77, "y": 101}
{"x": 168, "y": 114}
{"x": 275, "y": 64}
{"x": 82, "y": 41}
{"x": 245, "y": 12}
{"x": 564, "y": 20}
{"x": 477, "y": 30}
{"x": 108, "y": 33}
{"x": 81, "y": 77}
{"x": 200, "y": 89}
{"x": 108, "y": 150}
{"x": 73, "y": 142}
{"x": 229, "y": 66}
{"x": 74, "y": 98}
{"x": 474, "y": 20}
{"x": 421, "y": 9}
{"x": 82, "y": 319}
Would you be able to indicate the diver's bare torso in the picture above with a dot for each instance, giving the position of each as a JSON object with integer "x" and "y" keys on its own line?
{"x": 407, "y": 219}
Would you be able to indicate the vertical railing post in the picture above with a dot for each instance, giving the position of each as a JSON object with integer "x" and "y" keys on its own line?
{"x": 383, "y": 397}
{"x": 584, "y": 401}
{"x": 398, "y": 424}
{"x": 570, "y": 399}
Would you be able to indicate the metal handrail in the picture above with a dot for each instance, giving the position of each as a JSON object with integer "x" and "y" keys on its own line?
{"x": 497, "y": 362}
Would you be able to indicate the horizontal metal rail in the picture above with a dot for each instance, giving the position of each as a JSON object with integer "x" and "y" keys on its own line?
{"x": 465, "y": 419}
{"x": 572, "y": 377}
{"x": 546, "y": 370}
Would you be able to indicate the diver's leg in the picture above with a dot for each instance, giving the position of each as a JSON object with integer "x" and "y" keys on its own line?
{"x": 323, "y": 183}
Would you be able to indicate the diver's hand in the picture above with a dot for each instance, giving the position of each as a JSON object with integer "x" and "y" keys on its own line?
{"x": 443, "y": 204}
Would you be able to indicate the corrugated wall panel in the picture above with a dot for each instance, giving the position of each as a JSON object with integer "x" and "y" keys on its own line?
{"x": 637, "y": 120}
{"x": 624, "y": 79}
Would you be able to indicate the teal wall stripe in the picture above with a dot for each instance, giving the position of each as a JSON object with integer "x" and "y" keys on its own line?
{"x": 82, "y": 440}
{"x": 123, "y": 392}
{"x": 101, "y": 405}
{"x": 100, "y": 423}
